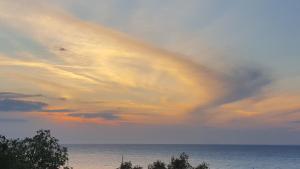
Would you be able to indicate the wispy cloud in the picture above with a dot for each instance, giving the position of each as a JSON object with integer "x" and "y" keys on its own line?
{"x": 246, "y": 82}
{"x": 11, "y": 105}
{"x": 12, "y": 120}
{"x": 12, "y": 95}
{"x": 104, "y": 65}
{"x": 104, "y": 115}
{"x": 91, "y": 68}
{"x": 266, "y": 110}
{"x": 57, "y": 110}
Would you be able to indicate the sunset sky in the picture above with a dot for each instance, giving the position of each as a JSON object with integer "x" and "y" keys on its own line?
{"x": 151, "y": 71}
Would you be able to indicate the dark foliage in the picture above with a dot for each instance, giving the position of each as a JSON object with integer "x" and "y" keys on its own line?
{"x": 180, "y": 163}
{"x": 128, "y": 165}
{"x": 125, "y": 165}
{"x": 42, "y": 151}
{"x": 39, "y": 152}
{"x": 137, "y": 167}
{"x": 157, "y": 165}
{"x": 203, "y": 165}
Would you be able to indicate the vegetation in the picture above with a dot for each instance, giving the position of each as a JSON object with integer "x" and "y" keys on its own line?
{"x": 39, "y": 152}
{"x": 42, "y": 151}
{"x": 203, "y": 165}
{"x": 157, "y": 165}
{"x": 182, "y": 162}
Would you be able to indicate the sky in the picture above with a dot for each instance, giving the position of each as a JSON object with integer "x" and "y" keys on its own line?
{"x": 151, "y": 72}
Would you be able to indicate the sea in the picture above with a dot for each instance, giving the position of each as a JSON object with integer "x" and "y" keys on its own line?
{"x": 217, "y": 156}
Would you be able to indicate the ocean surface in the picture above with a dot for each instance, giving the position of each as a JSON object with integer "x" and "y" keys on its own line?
{"x": 218, "y": 156}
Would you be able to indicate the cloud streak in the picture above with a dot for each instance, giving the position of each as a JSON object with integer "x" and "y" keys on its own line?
{"x": 12, "y": 95}
{"x": 95, "y": 69}
{"x": 12, "y": 120}
{"x": 97, "y": 63}
{"x": 244, "y": 82}
{"x": 11, "y": 105}
{"x": 104, "y": 115}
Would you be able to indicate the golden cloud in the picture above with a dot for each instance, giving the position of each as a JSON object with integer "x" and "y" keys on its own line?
{"x": 97, "y": 68}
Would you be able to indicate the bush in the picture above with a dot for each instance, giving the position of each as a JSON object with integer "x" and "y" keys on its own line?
{"x": 137, "y": 167}
{"x": 126, "y": 165}
{"x": 42, "y": 151}
{"x": 180, "y": 163}
{"x": 203, "y": 165}
{"x": 39, "y": 152}
{"x": 157, "y": 165}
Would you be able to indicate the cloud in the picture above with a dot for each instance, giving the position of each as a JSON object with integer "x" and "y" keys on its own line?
{"x": 244, "y": 82}
{"x": 12, "y": 95}
{"x": 11, "y": 105}
{"x": 94, "y": 69}
{"x": 238, "y": 84}
{"x": 12, "y": 120}
{"x": 103, "y": 64}
{"x": 104, "y": 115}
{"x": 57, "y": 110}
{"x": 269, "y": 110}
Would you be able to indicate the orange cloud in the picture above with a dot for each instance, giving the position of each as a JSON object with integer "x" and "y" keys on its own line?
{"x": 95, "y": 69}
{"x": 91, "y": 63}
{"x": 268, "y": 110}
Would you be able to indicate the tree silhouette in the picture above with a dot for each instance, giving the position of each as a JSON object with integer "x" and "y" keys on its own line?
{"x": 10, "y": 156}
{"x": 180, "y": 163}
{"x": 203, "y": 165}
{"x": 125, "y": 165}
{"x": 128, "y": 165}
{"x": 157, "y": 165}
{"x": 39, "y": 152}
{"x": 43, "y": 151}
{"x": 137, "y": 167}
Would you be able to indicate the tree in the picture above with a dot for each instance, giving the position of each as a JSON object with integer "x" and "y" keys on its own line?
{"x": 44, "y": 152}
{"x": 203, "y": 165}
{"x": 128, "y": 165}
{"x": 157, "y": 165}
{"x": 137, "y": 167}
{"x": 125, "y": 165}
{"x": 180, "y": 163}
{"x": 12, "y": 154}
{"x": 39, "y": 152}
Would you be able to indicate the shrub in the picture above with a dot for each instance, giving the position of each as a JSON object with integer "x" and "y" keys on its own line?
{"x": 203, "y": 165}
{"x": 157, "y": 165}
{"x": 39, "y": 152}
{"x": 137, "y": 167}
{"x": 180, "y": 163}
{"x": 125, "y": 165}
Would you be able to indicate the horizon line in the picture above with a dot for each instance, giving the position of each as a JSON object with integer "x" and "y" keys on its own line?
{"x": 181, "y": 144}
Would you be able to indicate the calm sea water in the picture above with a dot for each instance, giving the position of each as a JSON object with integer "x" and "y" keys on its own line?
{"x": 218, "y": 156}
